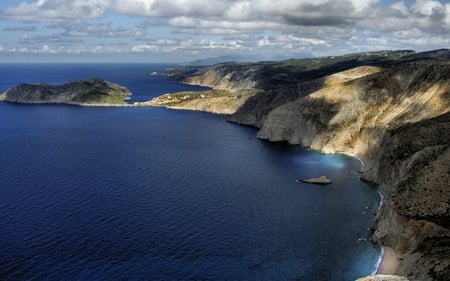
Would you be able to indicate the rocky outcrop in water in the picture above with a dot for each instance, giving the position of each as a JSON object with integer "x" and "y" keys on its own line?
{"x": 92, "y": 92}
{"x": 319, "y": 180}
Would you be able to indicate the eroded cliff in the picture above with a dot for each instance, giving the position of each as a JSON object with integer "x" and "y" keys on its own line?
{"x": 223, "y": 77}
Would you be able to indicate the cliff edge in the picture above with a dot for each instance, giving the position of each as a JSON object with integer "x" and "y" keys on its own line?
{"x": 92, "y": 92}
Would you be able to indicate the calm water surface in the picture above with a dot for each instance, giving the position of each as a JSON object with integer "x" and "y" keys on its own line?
{"x": 154, "y": 194}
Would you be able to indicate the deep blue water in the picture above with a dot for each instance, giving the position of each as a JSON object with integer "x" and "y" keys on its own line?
{"x": 155, "y": 194}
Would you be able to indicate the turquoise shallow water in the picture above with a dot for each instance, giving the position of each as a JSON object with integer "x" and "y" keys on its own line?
{"x": 154, "y": 194}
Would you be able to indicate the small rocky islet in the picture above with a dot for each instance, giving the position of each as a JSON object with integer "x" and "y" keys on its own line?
{"x": 319, "y": 180}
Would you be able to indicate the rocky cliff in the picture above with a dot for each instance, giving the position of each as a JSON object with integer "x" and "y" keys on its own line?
{"x": 92, "y": 92}
{"x": 398, "y": 121}
{"x": 394, "y": 114}
{"x": 222, "y": 77}
{"x": 279, "y": 82}
{"x": 213, "y": 101}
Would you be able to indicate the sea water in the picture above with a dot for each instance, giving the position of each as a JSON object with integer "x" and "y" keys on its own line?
{"x": 157, "y": 194}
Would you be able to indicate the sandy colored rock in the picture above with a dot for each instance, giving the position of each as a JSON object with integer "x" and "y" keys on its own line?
{"x": 319, "y": 180}
{"x": 382, "y": 277}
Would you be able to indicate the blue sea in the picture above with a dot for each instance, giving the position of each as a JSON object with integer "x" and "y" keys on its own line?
{"x": 158, "y": 194}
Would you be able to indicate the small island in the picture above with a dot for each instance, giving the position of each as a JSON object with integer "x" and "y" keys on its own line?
{"x": 91, "y": 92}
{"x": 319, "y": 180}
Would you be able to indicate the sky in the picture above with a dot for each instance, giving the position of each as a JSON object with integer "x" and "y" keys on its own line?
{"x": 187, "y": 30}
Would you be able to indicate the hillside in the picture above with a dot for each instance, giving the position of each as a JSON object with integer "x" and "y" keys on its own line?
{"x": 92, "y": 92}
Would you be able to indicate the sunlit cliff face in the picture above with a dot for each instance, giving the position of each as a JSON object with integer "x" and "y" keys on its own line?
{"x": 354, "y": 108}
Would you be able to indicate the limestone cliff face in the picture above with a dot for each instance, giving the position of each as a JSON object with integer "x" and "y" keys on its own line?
{"x": 351, "y": 114}
{"x": 213, "y": 101}
{"x": 217, "y": 105}
{"x": 254, "y": 112}
{"x": 232, "y": 86}
{"x": 223, "y": 77}
{"x": 398, "y": 121}
{"x": 94, "y": 92}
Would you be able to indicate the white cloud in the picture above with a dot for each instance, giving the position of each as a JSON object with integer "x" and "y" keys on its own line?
{"x": 428, "y": 16}
{"x": 307, "y": 41}
{"x": 102, "y": 30}
{"x": 172, "y": 8}
{"x": 56, "y": 10}
{"x": 48, "y": 50}
{"x": 265, "y": 41}
{"x": 401, "y": 7}
{"x": 427, "y": 7}
{"x": 204, "y": 26}
{"x": 215, "y": 27}
{"x": 167, "y": 45}
{"x": 239, "y": 11}
{"x": 46, "y": 39}
{"x": 138, "y": 7}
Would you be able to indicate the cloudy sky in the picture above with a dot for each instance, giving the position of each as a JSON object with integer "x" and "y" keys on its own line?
{"x": 185, "y": 30}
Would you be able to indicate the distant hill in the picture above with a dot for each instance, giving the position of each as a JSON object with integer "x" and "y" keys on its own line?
{"x": 221, "y": 59}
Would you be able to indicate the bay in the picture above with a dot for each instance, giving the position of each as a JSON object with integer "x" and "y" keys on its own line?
{"x": 156, "y": 194}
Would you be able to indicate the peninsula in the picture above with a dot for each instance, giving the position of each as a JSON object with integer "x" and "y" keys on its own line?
{"x": 92, "y": 92}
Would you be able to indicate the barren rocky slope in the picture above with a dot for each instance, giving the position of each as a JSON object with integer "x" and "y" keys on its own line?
{"x": 93, "y": 92}
{"x": 214, "y": 101}
{"x": 394, "y": 114}
{"x": 280, "y": 82}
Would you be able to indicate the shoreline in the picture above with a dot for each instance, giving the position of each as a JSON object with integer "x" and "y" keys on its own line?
{"x": 389, "y": 261}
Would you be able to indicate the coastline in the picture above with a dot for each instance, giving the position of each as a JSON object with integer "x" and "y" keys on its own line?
{"x": 389, "y": 261}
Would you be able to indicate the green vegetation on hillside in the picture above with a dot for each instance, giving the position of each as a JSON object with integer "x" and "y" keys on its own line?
{"x": 94, "y": 91}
